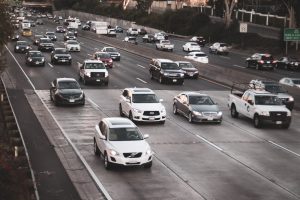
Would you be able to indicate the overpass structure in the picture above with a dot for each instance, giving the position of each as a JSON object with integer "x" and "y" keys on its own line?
{"x": 44, "y": 4}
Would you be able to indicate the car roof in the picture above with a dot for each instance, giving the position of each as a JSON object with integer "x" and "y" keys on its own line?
{"x": 163, "y": 60}
{"x": 65, "y": 79}
{"x": 118, "y": 122}
{"x": 193, "y": 93}
{"x": 264, "y": 92}
{"x": 92, "y": 61}
{"x": 140, "y": 90}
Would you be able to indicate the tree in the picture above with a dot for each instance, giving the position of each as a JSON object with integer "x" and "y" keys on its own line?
{"x": 143, "y": 5}
{"x": 229, "y": 5}
{"x": 291, "y": 6}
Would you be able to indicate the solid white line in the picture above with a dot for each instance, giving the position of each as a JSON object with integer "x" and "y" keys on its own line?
{"x": 20, "y": 68}
{"x": 141, "y": 80}
{"x": 208, "y": 142}
{"x": 50, "y": 65}
{"x": 141, "y": 66}
{"x": 239, "y": 66}
{"x": 296, "y": 154}
{"x": 89, "y": 54}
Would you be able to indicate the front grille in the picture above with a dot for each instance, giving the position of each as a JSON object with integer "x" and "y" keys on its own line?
{"x": 71, "y": 96}
{"x": 98, "y": 74}
{"x": 278, "y": 116}
{"x": 63, "y": 58}
{"x": 133, "y": 155}
{"x": 175, "y": 75}
{"x": 210, "y": 114}
{"x": 284, "y": 99}
{"x": 151, "y": 113}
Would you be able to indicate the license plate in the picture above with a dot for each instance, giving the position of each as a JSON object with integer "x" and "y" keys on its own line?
{"x": 98, "y": 80}
{"x": 278, "y": 122}
{"x": 174, "y": 80}
{"x": 72, "y": 100}
{"x": 37, "y": 62}
{"x": 210, "y": 118}
{"x": 63, "y": 61}
{"x": 151, "y": 118}
{"x": 268, "y": 61}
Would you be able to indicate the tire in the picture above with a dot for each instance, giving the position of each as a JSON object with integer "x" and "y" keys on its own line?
{"x": 107, "y": 164}
{"x": 96, "y": 149}
{"x": 131, "y": 117}
{"x": 51, "y": 99}
{"x": 233, "y": 112}
{"x": 190, "y": 118}
{"x": 286, "y": 125}
{"x": 148, "y": 165}
{"x": 84, "y": 81}
{"x": 161, "y": 80}
{"x": 175, "y": 111}
{"x": 152, "y": 77}
{"x": 257, "y": 122}
{"x": 121, "y": 110}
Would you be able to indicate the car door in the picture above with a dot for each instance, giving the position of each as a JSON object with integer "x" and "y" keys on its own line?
{"x": 178, "y": 102}
{"x": 185, "y": 105}
{"x": 250, "y": 106}
{"x": 156, "y": 70}
{"x": 242, "y": 105}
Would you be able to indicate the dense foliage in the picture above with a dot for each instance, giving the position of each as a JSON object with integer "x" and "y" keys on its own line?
{"x": 5, "y": 26}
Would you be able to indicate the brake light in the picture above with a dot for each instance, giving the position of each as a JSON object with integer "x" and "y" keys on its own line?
{"x": 274, "y": 61}
{"x": 261, "y": 62}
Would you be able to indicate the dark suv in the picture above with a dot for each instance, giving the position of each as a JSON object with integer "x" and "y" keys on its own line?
{"x": 261, "y": 61}
{"x": 165, "y": 70}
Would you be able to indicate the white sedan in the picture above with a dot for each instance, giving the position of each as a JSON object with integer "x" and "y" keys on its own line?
{"x": 191, "y": 46}
{"x": 293, "y": 82}
{"x": 72, "y": 45}
{"x": 197, "y": 56}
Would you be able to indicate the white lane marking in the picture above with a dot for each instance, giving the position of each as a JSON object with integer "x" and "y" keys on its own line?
{"x": 89, "y": 54}
{"x": 141, "y": 66}
{"x": 210, "y": 143}
{"x": 141, "y": 80}
{"x": 239, "y": 66}
{"x": 50, "y": 65}
{"x": 81, "y": 43}
{"x": 20, "y": 68}
{"x": 284, "y": 148}
{"x": 226, "y": 57}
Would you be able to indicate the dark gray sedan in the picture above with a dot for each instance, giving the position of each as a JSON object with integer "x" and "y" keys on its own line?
{"x": 197, "y": 107}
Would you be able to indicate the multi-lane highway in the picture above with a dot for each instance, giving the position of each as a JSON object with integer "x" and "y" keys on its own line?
{"x": 232, "y": 160}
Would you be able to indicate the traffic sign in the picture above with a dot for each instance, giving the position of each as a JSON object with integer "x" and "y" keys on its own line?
{"x": 291, "y": 34}
{"x": 243, "y": 27}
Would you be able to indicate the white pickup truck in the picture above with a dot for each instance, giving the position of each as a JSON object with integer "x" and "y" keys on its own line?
{"x": 164, "y": 45}
{"x": 260, "y": 106}
{"x": 93, "y": 71}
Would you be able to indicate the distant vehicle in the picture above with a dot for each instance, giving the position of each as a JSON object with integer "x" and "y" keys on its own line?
{"x": 199, "y": 40}
{"x": 22, "y": 47}
{"x": 72, "y": 29}
{"x": 15, "y": 37}
{"x": 119, "y": 29}
{"x": 51, "y": 35}
{"x": 69, "y": 36}
{"x": 61, "y": 55}
{"x": 66, "y": 91}
{"x": 197, "y": 56}
{"x": 130, "y": 39}
{"x": 72, "y": 45}
{"x": 111, "y": 32}
{"x": 78, "y": 22}
{"x": 93, "y": 71}
{"x": 165, "y": 70}
{"x": 104, "y": 57}
{"x": 86, "y": 27}
{"x": 32, "y": 23}
{"x": 34, "y": 58}
{"x": 293, "y": 82}
{"x": 99, "y": 27}
{"x": 149, "y": 38}
{"x": 25, "y": 24}
{"x": 36, "y": 39}
{"x": 120, "y": 142}
{"x": 160, "y": 36}
{"x": 219, "y": 48}
{"x": 261, "y": 61}
{"x": 197, "y": 107}
{"x": 191, "y": 46}
{"x": 113, "y": 52}
{"x": 164, "y": 45}
{"x": 45, "y": 44}
{"x": 142, "y": 31}
{"x": 26, "y": 32}
{"x": 132, "y": 32}
{"x": 141, "y": 104}
{"x": 39, "y": 22}
{"x": 288, "y": 63}
{"x": 189, "y": 70}
{"x": 60, "y": 29}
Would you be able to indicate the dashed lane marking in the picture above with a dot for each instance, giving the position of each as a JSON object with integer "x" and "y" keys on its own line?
{"x": 141, "y": 66}
{"x": 141, "y": 80}
{"x": 50, "y": 65}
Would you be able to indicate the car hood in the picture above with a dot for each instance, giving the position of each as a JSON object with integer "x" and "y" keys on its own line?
{"x": 22, "y": 46}
{"x": 70, "y": 91}
{"x": 279, "y": 108}
{"x": 204, "y": 108}
{"x": 62, "y": 55}
{"x": 148, "y": 106}
{"x": 189, "y": 69}
{"x": 96, "y": 70}
{"x": 130, "y": 146}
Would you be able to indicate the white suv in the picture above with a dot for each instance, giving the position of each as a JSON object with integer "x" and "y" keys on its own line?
{"x": 141, "y": 104}
{"x": 132, "y": 32}
{"x": 120, "y": 142}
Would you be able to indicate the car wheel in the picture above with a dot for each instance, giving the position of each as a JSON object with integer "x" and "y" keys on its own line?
{"x": 286, "y": 125}
{"x": 257, "y": 122}
{"x": 161, "y": 80}
{"x": 188, "y": 50}
{"x": 84, "y": 81}
{"x": 248, "y": 64}
{"x": 51, "y": 99}
{"x": 148, "y": 165}
{"x": 175, "y": 111}
{"x": 233, "y": 112}
{"x": 107, "y": 164}
{"x": 152, "y": 77}
{"x": 96, "y": 149}
{"x": 121, "y": 110}
{"x": 190, "y": 117}
{"x": 131, "y": 117}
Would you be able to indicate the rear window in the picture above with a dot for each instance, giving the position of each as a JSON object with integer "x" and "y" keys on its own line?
{"x": 223, "y": 45}
{"x": 267, "y": 58}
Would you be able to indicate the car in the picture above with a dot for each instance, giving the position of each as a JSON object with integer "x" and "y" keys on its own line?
{"x": 32, "y": 23}
{"x": 69, "y": 36}
{"x": 274, "y": 88}
{"x": 66, "y": 91}
{"x": 26, "y": 32}
{"x": 57, "y": 21}
{"x": 111, "y": 32}
{"x": 141, "y": 105}
{"x": 51, "y": 35}
{"x": 197, "y": 107}
{"x": 261, "y": 61}
{"x": 36, "y": 39}
{"x": 39, "y": 22}
{"x": 219, "y": 48}
{"x": 164, "y": 45}
{"x": 142, "y": 31}
{"x": 104, "y": 57}
{"x": 130, "y": 39}
{"x": 60, "y": 17}
{"x": 159, "y": 36}
{"x": 113, "y": 52}
{"x": 149, "y": 38}
{"x": 166, "y": 71}
{"x": 191, "y": 46}
{"x": 120, "y": 142}
{"x": 60, "y": 29}
{"x": 72, "y": 45}
{"x": 132, "y": 32}
{"x": 34, "y": 58}
{"x": 189, "y": 70}
{"x": 93, "y": 71}
{"x": 86, "y": 27}
{"x": 119, "y": 29}
{"x": 288, "y": 63}
{"x": 72, "y": 29}
{"x": 199, "y": 40}
{"x": 293, "y": 82}
{"x": 45, "y": 44}
{"x": 15, "y": 37}
{"x": 61, "y": 55}
{"x": 22, "y": 47}
{"x": 197, "y": 56}
{"x": 49, "y": 16}
{"x": 43, "y": 15}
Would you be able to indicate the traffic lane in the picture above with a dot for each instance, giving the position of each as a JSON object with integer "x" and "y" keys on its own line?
{"x": 189, "y": 150}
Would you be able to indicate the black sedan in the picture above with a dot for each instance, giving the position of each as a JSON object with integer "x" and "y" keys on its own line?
{"x": 148, "y": 38}
{"x": 197, "y": 107}
{"x": 34, "y": 58}
{"x": 189, "y": 70}
{"x": 51, "y": 35}
{"x": 61, "y": 55}
{"x": 45, "y": 44}
{"x": 60, "y": 29}
{"x": 288, "y": 63}
{"x": 22, "y": 47}
{"x": 199, "y": 40}
{"x": 86, "y": 27}
{"x": 66, "y": 91}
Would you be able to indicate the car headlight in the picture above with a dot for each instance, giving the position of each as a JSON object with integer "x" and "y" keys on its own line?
{"x": 291, "y": 99}
{"x": 136, "y": 110}
{"x": 27, "y": 47}
{"x": 43, "y": 59}
{"x": 17, "y": 47}
{"x": 106, "y": 74}
{"x": 55, "y": 57}
{"x": 265, "y": 113}
{"x": 166, "y": 74}
{"x": 181, "y": 75}
{"x": 289, "y": 113}
{"x": 29, "y": 59}
{"x": 81, "y": 95}
{"x": 113, "y": 152}
{"x": 88, "y": 74}
{"x": 220, "y": 113}
{"x": 110, "y": 61}
{"x": 163, "y": 110}
{"x": 69, "y": 57}
{"x": 149, "y": 152}
{"x": 197, "y": 113}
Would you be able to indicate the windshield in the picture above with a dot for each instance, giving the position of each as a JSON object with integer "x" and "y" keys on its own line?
{"x": 186, "y": 65}
{"x": 68, "y": 85}
{"x": 169, "y": 65}
{"x": 102, "y": 55}
{"x": 35, "y": 54}
{"x": 296, "y": 81}
{"x": 124, "y": 134}
{"x": 274, "y": 89}
{"x": 144, "y": 98}
{"x": 94, "y": 66}
{"x": 61, "y": 51}
{"x": 111, "y": 50}
{"x": 22, "y": 43}
{"x": 71, "y": 34}
{"x": 200, "y": 55}
{"x": 200, "y": 100}
{"x": 50, "y": 34}
{"x": 72, "y": 42}
{"x": 45, "y": 40}
{"x": 267, "y": 100}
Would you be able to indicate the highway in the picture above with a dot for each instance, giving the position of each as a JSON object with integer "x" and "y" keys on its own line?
{"x": 233, "y": 160}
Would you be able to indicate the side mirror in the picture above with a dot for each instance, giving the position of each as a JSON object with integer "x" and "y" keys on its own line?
{"x": 127, "y": 100}
{"x": 161, "y": 100}
{"x": 250, "y": 102}
{"x": 102, "y": 137}
{"x": 146, "y": 136}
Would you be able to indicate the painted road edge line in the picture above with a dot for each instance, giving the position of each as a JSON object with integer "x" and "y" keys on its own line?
{"x": 239, "y": 66}
{"x": 141, "y": 80}
{"x": 141, "y": 66}
{"x": 210, "y": 143}
{"x": 296, "y": 154}
{"x": 50, "y": 65}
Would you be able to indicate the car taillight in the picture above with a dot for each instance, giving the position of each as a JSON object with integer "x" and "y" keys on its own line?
{"x": 274, "y": 61}
{"x": 261, "y": 62}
